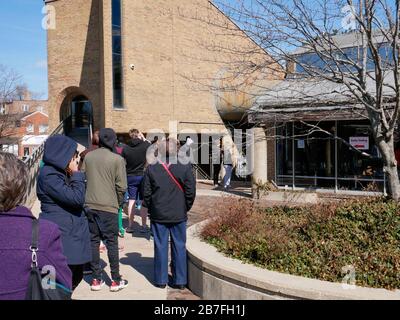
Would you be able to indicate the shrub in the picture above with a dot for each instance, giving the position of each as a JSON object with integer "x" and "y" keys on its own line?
{"x": 314, "y": 241}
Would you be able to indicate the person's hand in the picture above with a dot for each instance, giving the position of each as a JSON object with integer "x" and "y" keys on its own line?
{"x": 73, "y": 165}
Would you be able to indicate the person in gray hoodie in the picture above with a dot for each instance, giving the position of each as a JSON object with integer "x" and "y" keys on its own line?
{"x": 106, "y": 187}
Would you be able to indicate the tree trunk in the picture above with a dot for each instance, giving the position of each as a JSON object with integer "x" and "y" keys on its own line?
{"x": 390, "y": 168}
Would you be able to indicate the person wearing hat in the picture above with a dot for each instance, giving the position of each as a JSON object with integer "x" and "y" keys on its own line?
{"x": 106, "y": 187}
{"x": 61, "y": 192}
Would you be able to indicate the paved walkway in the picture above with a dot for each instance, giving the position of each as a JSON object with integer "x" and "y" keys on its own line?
{"x": 136, "y": 265}
{"x": 136, "y": 258}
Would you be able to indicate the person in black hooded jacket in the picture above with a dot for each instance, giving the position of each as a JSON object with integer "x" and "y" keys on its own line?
{"x": 169, "y": 193}
{"x": 61, "y": 190}
{"x": 135, "y": 156}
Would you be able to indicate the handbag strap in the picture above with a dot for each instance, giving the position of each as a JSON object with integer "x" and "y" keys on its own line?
{"x": 172, "y": 176}
{"x": 34, "y": 243}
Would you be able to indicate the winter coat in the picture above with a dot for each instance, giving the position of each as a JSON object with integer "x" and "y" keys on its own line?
{"x": 15, "y": 256}
{"x": 164, "y": 199}
{"x": 62, "y": 199}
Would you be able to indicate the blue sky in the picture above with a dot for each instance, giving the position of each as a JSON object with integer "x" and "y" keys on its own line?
{"x": 23, "y": 41}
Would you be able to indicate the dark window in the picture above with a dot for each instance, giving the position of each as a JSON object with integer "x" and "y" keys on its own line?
{"x": 313, "y": 62}
{"x": 117, "y": 54}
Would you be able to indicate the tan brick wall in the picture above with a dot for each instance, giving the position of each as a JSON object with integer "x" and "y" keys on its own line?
{"x": 176, "y": 51}
{"x": 74, "y": 51}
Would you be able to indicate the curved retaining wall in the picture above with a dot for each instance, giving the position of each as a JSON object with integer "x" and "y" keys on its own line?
{"x": 216, "y": 277}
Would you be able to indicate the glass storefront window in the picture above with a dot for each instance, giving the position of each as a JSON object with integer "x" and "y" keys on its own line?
{"x": 323, "y": 161}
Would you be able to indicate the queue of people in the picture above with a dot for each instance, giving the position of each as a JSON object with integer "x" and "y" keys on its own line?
{"x": 80, "y": 199}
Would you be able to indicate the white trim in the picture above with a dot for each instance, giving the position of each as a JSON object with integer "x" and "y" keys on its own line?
{"x": 29, "y": 115}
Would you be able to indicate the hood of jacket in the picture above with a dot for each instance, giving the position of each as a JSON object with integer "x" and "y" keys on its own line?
{"x": 58, "y": 151}
{"x": 108, "y": 138}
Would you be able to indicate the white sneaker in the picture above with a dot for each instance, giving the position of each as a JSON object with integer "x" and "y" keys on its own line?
{"x": 97, "y": 285}
{"x": 118, "y": 285}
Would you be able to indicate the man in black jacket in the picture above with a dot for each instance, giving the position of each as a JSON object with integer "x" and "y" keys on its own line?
{"x": 169, "y": 193}
{"x": 135, "y": 155}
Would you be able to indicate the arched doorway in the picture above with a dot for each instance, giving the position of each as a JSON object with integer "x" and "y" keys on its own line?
{"x": 76, "y": 113}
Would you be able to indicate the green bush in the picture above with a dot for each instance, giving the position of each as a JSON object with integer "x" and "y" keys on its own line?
{"x": 314, "y": 241}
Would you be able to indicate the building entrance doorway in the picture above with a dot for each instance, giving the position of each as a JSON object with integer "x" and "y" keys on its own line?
{"x": 77, "y": 115}
{"x": 81, "y": 112}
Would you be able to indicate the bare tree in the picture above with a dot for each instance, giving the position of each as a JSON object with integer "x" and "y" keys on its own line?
{"x": 21, "y": 91}
{"x": 301, "y": 35}
{"x": 9, "y": 82}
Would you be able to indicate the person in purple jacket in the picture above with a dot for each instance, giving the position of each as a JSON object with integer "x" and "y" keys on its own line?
{"x": 16, "y": 235}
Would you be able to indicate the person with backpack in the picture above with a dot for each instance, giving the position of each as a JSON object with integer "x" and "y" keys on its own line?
{"x": 16, "y": 225}
{"x": 169, "y": 190}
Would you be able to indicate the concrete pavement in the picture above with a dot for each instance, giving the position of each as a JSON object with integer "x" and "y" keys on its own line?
{"x": 136, "y": 266}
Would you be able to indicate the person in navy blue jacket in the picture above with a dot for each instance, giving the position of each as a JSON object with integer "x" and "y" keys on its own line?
{"x": 61, "y": 190}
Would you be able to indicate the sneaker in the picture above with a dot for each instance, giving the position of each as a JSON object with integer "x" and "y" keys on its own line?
{"x": 160, "y": 286}
{"x": 129, "y": 230}
{"x": 144, "y": 229}
{"x": 97, "y": 285}
{"x": 177, "y": 286}
{"x": 118, "y": 285}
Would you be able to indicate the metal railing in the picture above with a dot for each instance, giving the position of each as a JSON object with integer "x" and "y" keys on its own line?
{"x": 356, "y": 179}
{"x": 33, "y": 165}
{"x": 199, "y": 173}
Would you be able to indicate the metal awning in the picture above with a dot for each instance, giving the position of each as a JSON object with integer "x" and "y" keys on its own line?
{"x": 311, "y": 100}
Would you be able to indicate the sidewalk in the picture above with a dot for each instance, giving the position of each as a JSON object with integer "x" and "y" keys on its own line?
{"x": 136, "y": 265}
{"x": 136, "y": 260}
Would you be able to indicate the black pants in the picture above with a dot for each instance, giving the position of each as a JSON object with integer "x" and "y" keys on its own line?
{"x": 104, "y": 226}
{"x": 77, "y": 275}
{"x": 216, "y": 169}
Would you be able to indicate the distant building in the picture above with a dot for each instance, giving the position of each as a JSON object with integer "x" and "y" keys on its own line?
{"x": 24, "y": 106}
{"x": 18, "y": 129}
{"x": 333, "y": 156}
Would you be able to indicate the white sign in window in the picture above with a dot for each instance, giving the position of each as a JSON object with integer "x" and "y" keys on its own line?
{"x": 360, "y": 143}
{"x": 301, "y": 144}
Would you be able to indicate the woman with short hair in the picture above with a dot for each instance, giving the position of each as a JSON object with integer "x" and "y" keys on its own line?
{"x": 16, "y": 235}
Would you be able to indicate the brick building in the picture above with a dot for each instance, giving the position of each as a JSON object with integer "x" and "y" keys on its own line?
{"x": 143, "y": 64}
{"x": 24, "y": 106}
{"x": 22, "y": 132}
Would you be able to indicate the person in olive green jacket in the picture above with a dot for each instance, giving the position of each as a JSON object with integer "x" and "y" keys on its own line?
{"x": 106, "y": 187}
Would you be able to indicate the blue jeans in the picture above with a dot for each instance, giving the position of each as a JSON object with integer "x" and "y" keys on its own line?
{"x": 228, "y": 175}
{"x": 161, "y": 233}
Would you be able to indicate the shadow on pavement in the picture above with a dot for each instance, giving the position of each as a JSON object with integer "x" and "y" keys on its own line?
{"x": 143, "y": 265}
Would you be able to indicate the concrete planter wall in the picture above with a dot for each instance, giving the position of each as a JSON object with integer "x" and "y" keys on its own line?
{"x": 292, "y": 197}
{"x": 216, "y": 277}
